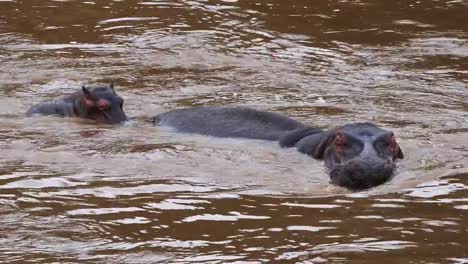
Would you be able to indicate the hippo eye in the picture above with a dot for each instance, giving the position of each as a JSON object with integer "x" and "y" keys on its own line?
{"x": 103, "y": 105}
{"x": 385, "y": 144}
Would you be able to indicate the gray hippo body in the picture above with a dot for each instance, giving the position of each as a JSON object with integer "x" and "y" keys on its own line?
{"x": 229, "y": 122}
{"x": 358, "y": 155}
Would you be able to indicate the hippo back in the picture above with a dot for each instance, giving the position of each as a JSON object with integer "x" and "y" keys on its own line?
{"x": 59, "y": 108}
{"x": 236, "y": 122}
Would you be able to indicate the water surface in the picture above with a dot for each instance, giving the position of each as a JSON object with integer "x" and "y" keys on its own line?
{"x": 73, "y": 191}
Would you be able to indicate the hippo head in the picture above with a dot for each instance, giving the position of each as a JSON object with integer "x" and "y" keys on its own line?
{"x": 102, "y": 104}
{"x": 359, "y": 155}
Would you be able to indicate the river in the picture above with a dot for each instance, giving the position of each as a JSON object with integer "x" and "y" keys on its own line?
{"x": 72, "y": 191}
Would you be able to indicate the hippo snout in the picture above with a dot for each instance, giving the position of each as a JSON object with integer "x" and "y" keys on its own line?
{"x": 113, "y": 116}
{"x": 361, "y": 174}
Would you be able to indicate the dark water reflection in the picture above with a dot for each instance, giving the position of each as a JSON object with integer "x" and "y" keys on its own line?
{"x": 72, "y": 191}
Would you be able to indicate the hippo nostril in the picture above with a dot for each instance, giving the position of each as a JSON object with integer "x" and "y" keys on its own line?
{"x": 362, "y": 174}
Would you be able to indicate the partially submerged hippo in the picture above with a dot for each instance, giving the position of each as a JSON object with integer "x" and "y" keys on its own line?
{"x": 101, "y": 103}
{"x": 358, "y": 155}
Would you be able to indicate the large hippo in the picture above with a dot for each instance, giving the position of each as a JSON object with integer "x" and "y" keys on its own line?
{"x": 358, "y": 155}
{"x": 100, "y": 103}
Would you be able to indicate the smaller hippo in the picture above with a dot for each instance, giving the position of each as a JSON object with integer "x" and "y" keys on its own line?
{"x": 358, "y": 155}
{"x": 100, "y": 103}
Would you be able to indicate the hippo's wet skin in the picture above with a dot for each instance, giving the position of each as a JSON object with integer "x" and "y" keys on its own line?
{"x": 358, "y": 155}
{"x": 228, "y": 122}
{"x": 102, "y": 104}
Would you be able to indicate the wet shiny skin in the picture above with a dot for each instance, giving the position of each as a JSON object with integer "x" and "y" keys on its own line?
{"x": 74, "y": 191}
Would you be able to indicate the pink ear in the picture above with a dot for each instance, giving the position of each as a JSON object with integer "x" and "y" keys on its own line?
{"x": 397, "y": 153}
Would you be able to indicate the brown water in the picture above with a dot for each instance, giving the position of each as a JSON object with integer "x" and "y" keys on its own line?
{"x": 75, "y": 192}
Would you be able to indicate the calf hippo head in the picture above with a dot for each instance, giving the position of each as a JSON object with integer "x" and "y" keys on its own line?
{"x": 359, "y": 155}
{"x": 102, "y": 104}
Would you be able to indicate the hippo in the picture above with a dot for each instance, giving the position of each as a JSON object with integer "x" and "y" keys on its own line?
{"x": 100, "y": 103}
{"x": 358, "y": 155}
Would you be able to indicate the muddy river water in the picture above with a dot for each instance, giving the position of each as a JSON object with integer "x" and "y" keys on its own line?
{"x": 72, "y": 191}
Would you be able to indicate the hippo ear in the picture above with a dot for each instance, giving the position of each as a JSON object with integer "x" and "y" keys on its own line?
{"x": 325, "y": 141}
{"x": 111, "y": 85}
{"x": 88, "y": 97}
{"x": 86, "y": 92}
{"x": 397, "y": 152}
